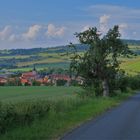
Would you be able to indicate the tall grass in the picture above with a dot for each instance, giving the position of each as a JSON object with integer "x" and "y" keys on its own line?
{"x": 50, "y": 119}
{"x": 24, "y": 113}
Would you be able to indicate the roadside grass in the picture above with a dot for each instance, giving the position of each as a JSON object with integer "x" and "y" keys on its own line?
{"x": 63, "y": 116}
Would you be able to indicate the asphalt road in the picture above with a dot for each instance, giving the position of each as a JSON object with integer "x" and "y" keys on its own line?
{"x": 121, "y": 123}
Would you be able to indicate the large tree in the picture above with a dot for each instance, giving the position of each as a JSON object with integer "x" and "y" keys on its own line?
{"x": 99, "y": 63}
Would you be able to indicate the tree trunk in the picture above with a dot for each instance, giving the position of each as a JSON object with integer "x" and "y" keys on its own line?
{"x": 105, "y": 88}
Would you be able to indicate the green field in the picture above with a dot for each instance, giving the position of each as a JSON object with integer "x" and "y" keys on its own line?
{"x": 131, "y": 65}
{"x": 16, "y": 94}
{"x": 24, "y": 111}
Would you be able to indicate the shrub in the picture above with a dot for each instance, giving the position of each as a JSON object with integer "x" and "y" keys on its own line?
{"x": 24, "y": 113}
{"x": 74, "y": 83}
{"x": 36, "y": 83}
{"x": 61, "y": 82}
{"x": 21, "y": 113}
{"x": 134, "y": 82}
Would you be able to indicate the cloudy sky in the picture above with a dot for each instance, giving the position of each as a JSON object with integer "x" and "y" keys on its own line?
{"x": 46, "y": 23}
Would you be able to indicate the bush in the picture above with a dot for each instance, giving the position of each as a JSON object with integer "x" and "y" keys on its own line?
{"x": 74, "y": 83}
{"x": 21, "y": 113}
{"x": 24, "y": 113}
{"x": 134, "y": 82}
{"x": 36, "y": 83}
{"x": 2, "y": 84}
{"x": 61, "y": 82}
{"x": 123, "y": 82}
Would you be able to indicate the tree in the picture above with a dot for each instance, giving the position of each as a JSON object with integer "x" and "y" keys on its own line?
{"x": 99, "y": 64}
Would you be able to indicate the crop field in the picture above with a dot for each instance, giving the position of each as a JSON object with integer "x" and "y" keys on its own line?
{"x": 131, "y": 65}
{"x": 19, "y": 94}
{"x": 57, "y": 58}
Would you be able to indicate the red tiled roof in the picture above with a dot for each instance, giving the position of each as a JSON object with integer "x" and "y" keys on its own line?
{"x": 59, "y": 77}
{"x": 24, "y": 81}
{"x": 3, "y": 80}
{"x": 29, "y": 75}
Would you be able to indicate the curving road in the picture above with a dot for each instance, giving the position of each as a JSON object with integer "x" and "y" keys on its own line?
{"x": 121, "y": 123}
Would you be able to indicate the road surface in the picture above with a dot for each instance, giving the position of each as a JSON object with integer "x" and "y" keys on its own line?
{"x": 121, "y": 123}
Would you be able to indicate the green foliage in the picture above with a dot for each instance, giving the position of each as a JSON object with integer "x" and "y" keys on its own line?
{"x": 100, "y": 62}
{"x": 124, "y": 82}
{"x": 61, "y": 82}
{"x": 134, "y": 82}
{"x": 74, "y": 83}
{"x": 36, "y": 83}
{"x": 27, "y": 84}
{"x": 21, "y": 114}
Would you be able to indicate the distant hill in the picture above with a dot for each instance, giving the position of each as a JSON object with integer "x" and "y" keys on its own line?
{"x": 58, "y": 49}
{"x": 24, "y": 59}
{"x": 132, "y": 42}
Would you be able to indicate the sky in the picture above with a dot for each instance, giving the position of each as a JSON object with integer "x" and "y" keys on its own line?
{"x": 48, "y": 23}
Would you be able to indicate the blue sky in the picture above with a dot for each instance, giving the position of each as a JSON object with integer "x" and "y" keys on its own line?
{"x": 46, "y": 23}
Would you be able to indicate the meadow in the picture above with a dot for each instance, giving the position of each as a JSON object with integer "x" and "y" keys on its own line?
{"x": 131, "y": 65}
{"x": 20, "y": 94}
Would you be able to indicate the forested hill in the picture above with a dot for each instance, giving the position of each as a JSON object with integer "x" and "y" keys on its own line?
{"x": 59, "y": 49}
{"x": 132, "y": 42}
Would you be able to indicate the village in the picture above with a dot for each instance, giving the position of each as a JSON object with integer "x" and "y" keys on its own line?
{"x": 34, "y": 78}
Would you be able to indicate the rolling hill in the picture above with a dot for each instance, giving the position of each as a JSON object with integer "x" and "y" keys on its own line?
{"x": 55, "y": 57}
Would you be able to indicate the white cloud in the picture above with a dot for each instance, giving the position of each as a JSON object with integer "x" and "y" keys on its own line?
{"x": 127, "y": 17}
{"x": 15, "y": 38}
{"x": 134, "y": 33}
{"x": 32, "y": 32}
{"x": 115, "y": 11}
{"x": 122, "y": 28}
{"x": 33, "y": 36}
{"x": 5, "y": 33}
{"x": 85, "y": 28}
{"x": 103, "y": 21}
{"x": 53, "y": 31}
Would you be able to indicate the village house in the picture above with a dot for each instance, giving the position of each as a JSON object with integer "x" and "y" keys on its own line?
{"x": 53, "y": 78}
{"x": 3, "y": 80}
{"x": 28, "y": 77}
